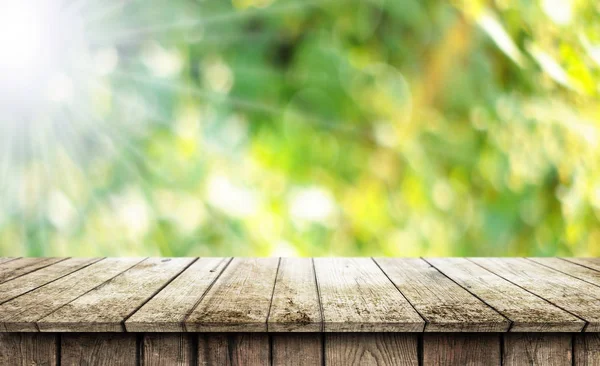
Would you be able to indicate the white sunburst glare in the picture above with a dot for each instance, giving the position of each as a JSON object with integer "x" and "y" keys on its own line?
{"x": 40, "y": 41}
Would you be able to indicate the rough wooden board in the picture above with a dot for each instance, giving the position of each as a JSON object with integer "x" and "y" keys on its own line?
{"x": 445, "y": 306}
{"x": 370, "y": 349}
{"x": 296, "y": 349}
{"x": 98, "y": 349}
{"x": 7, "y": 259}
{"x": 571, "y": 269}
{"x": 571, "y": 294}
{"x": 21, "y": 349}
{"x": 19, "y": 267}
{"x": 356, "y": 296}
{"x": 461, "y": 349}
{"x": 537, "y": 349}
{"x": 587, "y": 349}
{"x": 168, "y": 349}
{"x": 295, "y": 306}
{"x": 239, "y": 349}
{"x": 33, "y": 280}
{"x": 21, "y": 314}
{"x": 592, "y": 263}
{"x": 167, "y": 310}
{"x": 239, "y": 300}
{"x": 105, "y": 308}
{"x": 528, "y": 312}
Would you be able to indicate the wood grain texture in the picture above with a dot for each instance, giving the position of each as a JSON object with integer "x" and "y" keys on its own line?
{"x": 7, "y": 259}
{"x": 239, "y": 300}
{"x": 20, "y": 285}
{"x": 239, "y": 349}
{"x": 445, "y": 306}
{"x": 104, "y": 309}
{"x": 592, "y": 263}
{"x": 461, "y": 349}
{"x": 522, "y": 349}
{"x": 571, "y": 269}
{"x": 168, "y": 349}
{"x": 571, "y": 294}
{"x": 98, "y": 349}
{"x": 357, "y": 297}
{"x": 295, "y": 306}
{"x": 528, "y": 312}
{"x": 22, "y": 313}
{"x": 19, "y": 267}
{"x": 297, "y": 349}
{"x": 26, "y": 349}
{"x": 167, "y": 310}
{"x": 370, "y": 349}
{"x": 587, "y": 349}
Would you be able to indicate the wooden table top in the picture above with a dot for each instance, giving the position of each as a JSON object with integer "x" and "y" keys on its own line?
{"x": 299, "y": 295}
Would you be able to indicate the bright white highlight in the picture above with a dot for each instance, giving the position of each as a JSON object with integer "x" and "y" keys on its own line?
{"x": 21, "y": 35}
{"x": 37, "y": 42}
{"x": 312, "y": 204}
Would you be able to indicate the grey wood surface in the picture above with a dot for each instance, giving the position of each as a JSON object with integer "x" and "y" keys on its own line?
{"x": 592, "y": 263}
{"x": 105, "y": 308}
{"x": 356, "y": 296}
{"x": 370, "y": 349}
{"x": 239, "y": 300}
{"x": 239, "y": 349}
{"x": 527, "y": 312}
{"x": 20, "y": 285}
{"x": 98, "y": 349}
{"x": 27, "y": 349}
{"x": 300, "y": 295}
{"x": 295, "y": 306}
{"x": 571, "y": 294}
{"x": 466, "y": 349}
{"x": 571, "y": 269}
{"x": 166, "y": 312}
{"x": 523, "y": 349}
{"x": 168, "y": 349}
{"x": 19, "y": 267}
{"x": 587, "y": 349}
{"x": 445, "y": 306}
{"x": 7, "y": 259}
{"x": 297, "y": 349}
{"x": 22, "y": 313}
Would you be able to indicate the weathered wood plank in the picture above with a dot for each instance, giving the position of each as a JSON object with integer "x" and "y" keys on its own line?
{"x": 7, "y": 259}
{"x": 20, "y": 349}
{"x": 295, "y": 306}
{"x": 571, "y": 269}
{"x": 461, "y": 349}
{"x": 20, "y": 285}
{"x": 167, "y": 310}
{"x": 98, "y": 349}
{"x": 528, "y": 312}
{"x": 297, "y": 349}
{"x": 356, "y": 296}
{"x": 22, "y": 313}
{"x": 239, "y": 300}
{"x": 105, "y": 308}
{"x": 587, "y": 349}
{"x": 538, "y": 349}
{"x": 445, "y": 306}
{"x": 237, "y": 349}
{"x": 593, "y": 263}
{"x": 370, "y": 349}
{"x": 19, "y": 267}
{"x": 571, "y": 294}
{"x": 168, "y": 349}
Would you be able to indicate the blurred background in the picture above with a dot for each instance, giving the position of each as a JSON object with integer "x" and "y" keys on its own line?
{"x": 301, "y": 128}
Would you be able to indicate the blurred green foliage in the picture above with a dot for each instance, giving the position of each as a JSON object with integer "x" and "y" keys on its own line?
{"x": 333, "y": 127}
